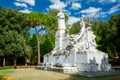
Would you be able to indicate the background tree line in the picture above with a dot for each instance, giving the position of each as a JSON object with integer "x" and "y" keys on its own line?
{"x": 16, "y": 43}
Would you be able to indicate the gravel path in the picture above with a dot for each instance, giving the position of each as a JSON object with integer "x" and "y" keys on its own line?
{"x": 33, "y": 74}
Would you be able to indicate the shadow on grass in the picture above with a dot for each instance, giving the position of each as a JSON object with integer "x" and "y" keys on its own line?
{"x": 79, "y": 77}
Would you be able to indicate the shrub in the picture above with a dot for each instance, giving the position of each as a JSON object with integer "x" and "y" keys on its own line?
{"x": 7, "y": 67}
{"x": 1, "y": 77}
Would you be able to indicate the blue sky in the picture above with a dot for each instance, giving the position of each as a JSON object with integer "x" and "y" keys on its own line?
{"x": 75, "y": 9}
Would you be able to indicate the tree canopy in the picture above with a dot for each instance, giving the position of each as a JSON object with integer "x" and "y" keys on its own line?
{"x": 13, "y": 34}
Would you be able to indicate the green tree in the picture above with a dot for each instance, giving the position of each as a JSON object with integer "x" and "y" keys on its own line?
{"x": 75, "y": 28}
{"x": 15, "y": 45}
{"x": 47, "y": 44}
{"x": 107, "y": 35}
{"x": 55, "y": 12}
{"x": 33, "y": 43}
{"x": 12, "y": 24}
{"x": 114, "y": 31}
{"x": 39, "y": 19}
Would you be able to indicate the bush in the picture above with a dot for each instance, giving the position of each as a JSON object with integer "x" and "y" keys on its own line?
{"x": 1, "y": 77}
{"x": 7, "y": 67}
{"x": 25, "y": 67}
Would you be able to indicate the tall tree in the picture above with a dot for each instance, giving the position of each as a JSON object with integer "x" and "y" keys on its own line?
{"x": 55, "y": 12}
{"x": 33, "y": 43}
{"x": 39, "y": 19}
{"x": 114, "y": 31}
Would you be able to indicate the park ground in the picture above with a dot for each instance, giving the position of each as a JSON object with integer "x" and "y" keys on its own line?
{"x": 34, "y": 74}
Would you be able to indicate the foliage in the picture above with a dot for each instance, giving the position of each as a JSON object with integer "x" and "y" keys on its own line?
{"x": 13, "y": 33}
{"x": 35, "y": 18}
{"x": 39, "y": 19}
{"x": 48, "y": 42}
{"x": 54, "y": 14}
{"x": 75, "y": 28}
{"x": 33, "y": 44}
{"x": 107, "y": 35}
{"x": 1, "y": 77}
{"x": 6, "y": 67}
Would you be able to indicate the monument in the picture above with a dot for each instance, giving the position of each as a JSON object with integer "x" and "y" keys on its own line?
{"x": 75, "y": 53}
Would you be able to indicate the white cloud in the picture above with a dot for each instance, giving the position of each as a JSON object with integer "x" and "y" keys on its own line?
{"x": 73, "y": 20}
{"x": 104, "y": 1}
{"x": 66, "y": 11}
{"x": 30, "y": 2}
{"x": 113, "y": 0}
{"x": 71, "y": 1}
{"x": 23, "y": 3}
{"x": 20, "y": 4}
{"x": 97, "y": 12}
{"x": 91, "y": 12}
{"x": 57, "y": 4}
{"x": 25, "y": 11}
{"x": 108, "y": 1}
{"x": 75, "y": 6}
{"x": 114, "y": 9}
{"x": 111, "y": 11}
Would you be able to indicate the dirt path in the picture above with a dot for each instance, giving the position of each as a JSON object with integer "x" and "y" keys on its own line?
{"x": 33, "y": 74}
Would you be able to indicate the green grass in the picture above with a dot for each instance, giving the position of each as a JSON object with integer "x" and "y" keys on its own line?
{"x": 78, "y": 77}
{"x": 5, "y": 71}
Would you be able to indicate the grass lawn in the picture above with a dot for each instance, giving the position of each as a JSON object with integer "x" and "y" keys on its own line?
{"x": 5, "y": 71}
{"x": 33, "y": 74}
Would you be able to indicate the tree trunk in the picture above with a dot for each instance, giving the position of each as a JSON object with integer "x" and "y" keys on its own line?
{"x": 27, "y": 61}
{"x": 3, "y": 61}
{"x": 38, "y": 52}
{"x": 38, "y": 47}
{"x": 15, "y": 60}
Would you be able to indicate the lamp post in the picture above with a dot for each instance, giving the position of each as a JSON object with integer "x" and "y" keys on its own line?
{"x": 38, "y": 29}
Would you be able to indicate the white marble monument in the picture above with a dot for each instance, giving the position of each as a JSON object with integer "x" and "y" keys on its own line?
{"x": 75, "y": 53}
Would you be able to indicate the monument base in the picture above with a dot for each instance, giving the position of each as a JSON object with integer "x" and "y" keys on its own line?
{"x": 88, "y": 61}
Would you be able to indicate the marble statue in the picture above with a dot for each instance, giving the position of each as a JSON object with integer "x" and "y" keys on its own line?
{"x": 75, "y": 53}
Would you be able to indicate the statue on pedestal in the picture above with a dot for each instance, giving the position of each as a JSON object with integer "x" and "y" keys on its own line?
{"x": 74, "y": 53}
